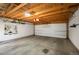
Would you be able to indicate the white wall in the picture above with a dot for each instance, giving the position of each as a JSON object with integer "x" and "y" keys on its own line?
{"x": 23, "y": 31}
{"x": 74, "y": 32}
{"x": 51, "y": 30}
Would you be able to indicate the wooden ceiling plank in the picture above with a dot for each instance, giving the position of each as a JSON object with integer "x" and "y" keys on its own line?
{"x": 45, "y": 14}
{"x": 9, "y": 8}
{"x": 17, "y": 12}
{"x": 34, "y": 16}
{"x": 13, "y": 14}
{"x": 56, "y": 15}
{"x": 59, "y": 7}
{"x": 47, "y": 10}
{"x": 53, "y": 13}
{"x": 41, "y": 11}
{"x": 21, "y": 13}
{"x": 44, "y": 11}
{"x": 16, "y": 8}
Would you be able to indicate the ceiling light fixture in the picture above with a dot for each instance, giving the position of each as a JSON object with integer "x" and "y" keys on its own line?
{"x": 27, "y": 14}
{"x": 36, "y": 19}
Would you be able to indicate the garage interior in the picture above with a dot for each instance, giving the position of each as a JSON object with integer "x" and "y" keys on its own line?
{"x": 39, "y": 28}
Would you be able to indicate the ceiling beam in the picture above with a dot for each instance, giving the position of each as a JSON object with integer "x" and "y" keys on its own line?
{"x": 16, "y": 8}
{"x": 44, "y": 10}
{"x": 52, "y": 13}
{"x": 57, "y": 16}
{"x": 23, "y": 10}
{"x": 52, "y": 10}
{"x": 21, "y": 14}
{"x": 9, "y": 8}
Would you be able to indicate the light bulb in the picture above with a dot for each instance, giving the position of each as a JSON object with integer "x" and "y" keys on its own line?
{"x": 37, "y": 19}
{"x": 27, "y": 14}
{"x": 34, "y": 20}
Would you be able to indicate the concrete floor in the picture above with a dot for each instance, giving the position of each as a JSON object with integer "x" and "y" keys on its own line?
{"x": 38, "y": 45}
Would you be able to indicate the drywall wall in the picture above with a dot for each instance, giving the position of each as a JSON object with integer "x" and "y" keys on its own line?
{"x": 74, "y": 32}
{"x": 51, "y": 30}
{"x": 23, "y": 30}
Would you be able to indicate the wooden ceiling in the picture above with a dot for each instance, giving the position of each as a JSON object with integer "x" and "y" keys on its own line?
{"x": 45, "y": 12}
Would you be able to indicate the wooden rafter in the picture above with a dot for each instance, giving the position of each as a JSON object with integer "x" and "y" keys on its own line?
{"x": 47, "y": 13}
{"x": 47, "y": 10}
{"x": 9, "y": 8}
{"x": 44, "y": 11}
{"x": 52, "y": 13}
{"x": 21, "y": 13}
{"x": 16, "y": 8}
